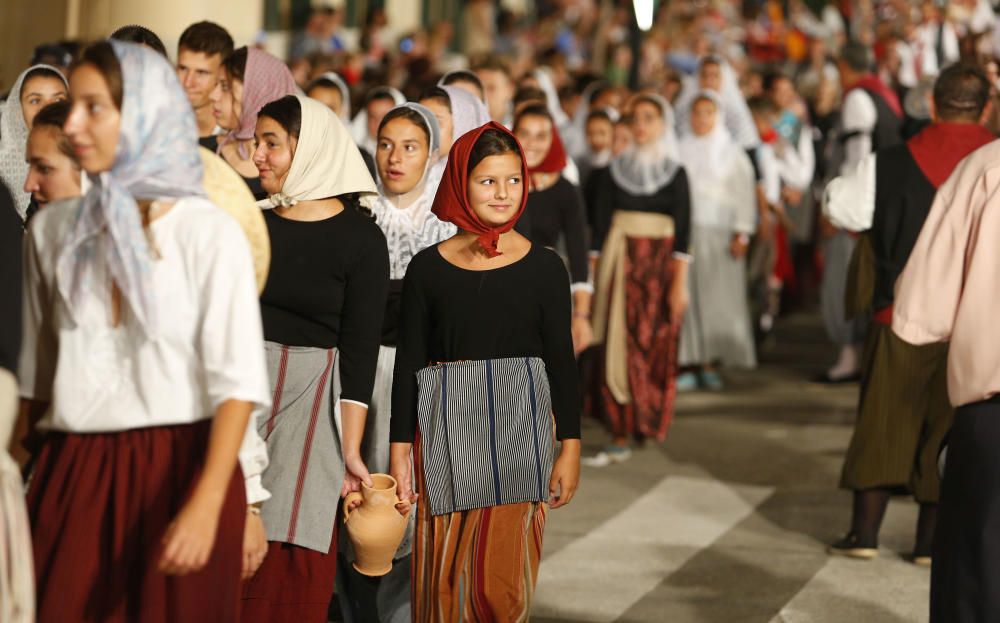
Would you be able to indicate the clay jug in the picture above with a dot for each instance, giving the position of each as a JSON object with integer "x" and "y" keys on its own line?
{"x": 375, "y": 528}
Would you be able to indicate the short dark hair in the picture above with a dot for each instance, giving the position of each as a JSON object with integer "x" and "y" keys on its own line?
{"x": 135, "y": 33}
{"x": 404, "y": 112}
{"x": 492, "y": 143}
{"x": 287, "y": 112}
{"x": 102, "y": 57}
{"x": 528, "y": 94}
{"x": 856, "y": 57}
{"x": 492, "y": 63}
{"x": 645, "y": 98}
{"x": 54, "y": 116}
{"x": 599, "y": 115}
{"x": 236, "y": 64}
{"x": 534, "y": 110}
{"x": 961, "y": 92}
{"x": 462, "y": 75}
{"x": 435, "y": 93}
{"x": 760, "y": 105}
{"x": 208, "y": 38}
{"x": 772, "y": 78}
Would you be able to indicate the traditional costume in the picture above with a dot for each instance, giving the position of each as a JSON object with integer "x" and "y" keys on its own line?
{"x": 322, "y": 309}
{"x": 131, "y": 406}
{"x": 717, "y": 326}
{"x": 485, "y": 358}
{"x": 642, "y": 212}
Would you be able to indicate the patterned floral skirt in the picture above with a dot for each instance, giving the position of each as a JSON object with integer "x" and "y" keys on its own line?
{"x": 635, "y": 369}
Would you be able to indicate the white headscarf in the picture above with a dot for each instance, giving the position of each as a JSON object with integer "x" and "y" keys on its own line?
{"x": 359, "y": 126}
{"x": 412, "y": 227}
{"x": 326, "y": 162}
{"x": 157, "y": 158}
{"x": 575, "y": 137}
{"x": 735, "y": 112}
{"x": 645, "y": 169}
{"x": 345, "y": 94}
{"x": 14, "y": 142}
{"x": 543, "y": 75}
{"x": 467, "y": 112}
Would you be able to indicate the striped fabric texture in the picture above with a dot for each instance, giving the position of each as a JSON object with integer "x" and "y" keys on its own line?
{"x": 487, "y": 433}
{"x": 306, "y": 469}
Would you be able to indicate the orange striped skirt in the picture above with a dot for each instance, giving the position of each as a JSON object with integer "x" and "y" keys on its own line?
{"x": 475, "y": 565}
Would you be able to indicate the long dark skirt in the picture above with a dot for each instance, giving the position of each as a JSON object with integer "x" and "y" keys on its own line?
{"x": 903, "y": 416}
{"x": 294, "y": 585}
{"x": 965, "y": 578}
{"x": 99, "y": 507}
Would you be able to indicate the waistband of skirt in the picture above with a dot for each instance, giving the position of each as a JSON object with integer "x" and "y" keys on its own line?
{"x": 275, "y": 346}
{"x": 472, "y": 363}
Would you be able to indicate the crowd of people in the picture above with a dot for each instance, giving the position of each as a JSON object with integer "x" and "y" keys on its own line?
{"x": 433, "y": 258}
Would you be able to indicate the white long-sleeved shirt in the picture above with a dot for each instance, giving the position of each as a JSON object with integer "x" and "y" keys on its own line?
{"x": 209, "y": 349}
{"x": 859, "y": 118}
{"x": 849, "y": 200}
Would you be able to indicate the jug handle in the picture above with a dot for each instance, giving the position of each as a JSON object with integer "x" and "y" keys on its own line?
{"x": 350, "y": 499}
{"x": 409, "y": 508}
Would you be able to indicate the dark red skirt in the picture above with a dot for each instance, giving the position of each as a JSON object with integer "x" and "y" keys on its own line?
{"x": 294, "y": 585}
{"x": 99, "y": 506}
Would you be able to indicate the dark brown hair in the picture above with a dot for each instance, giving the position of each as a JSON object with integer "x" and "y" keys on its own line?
{"x": 528, "y": 94}
{"x": 134, "y": 33}
{"x": 492, "y": 143}
{"x": 236, "y": 64}
{"x": 438, "y": 95}
{"x": 101, "y": 56}
{"x": 410, "y": 115}
{"x": 41, "y": 72}
{"x": 961, "y": 92}
{"x": 53, "y": 117}
{"x": 462, "y": 75}
{"x": 287, "y": 112}
{"x": 534, "y": 110}
{"x": 208, "y": 38}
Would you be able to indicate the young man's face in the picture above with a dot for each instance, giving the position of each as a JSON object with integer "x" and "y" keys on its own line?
{"x": 198, "y": 74}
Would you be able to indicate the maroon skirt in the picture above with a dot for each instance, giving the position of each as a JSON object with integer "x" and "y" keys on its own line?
{"x": 99, "y": 506}
{"x": 294, "y": 585}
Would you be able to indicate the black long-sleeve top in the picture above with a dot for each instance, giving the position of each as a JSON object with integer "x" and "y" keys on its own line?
{"x": 11, "y": 235}
{"x": 673, "y": 200}
{"x": 558, "y": 212}
{"x": 454, "y": 314}
{"x": 327, "y": 289}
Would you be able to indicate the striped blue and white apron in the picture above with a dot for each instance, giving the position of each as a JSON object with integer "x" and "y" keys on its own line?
{"x": 486, "y": 433}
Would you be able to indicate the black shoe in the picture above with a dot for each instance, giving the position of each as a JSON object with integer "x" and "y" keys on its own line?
{"x": 921, "y": 556}
{"x": 826, "y": 379}
{"x": 853, "y": 547}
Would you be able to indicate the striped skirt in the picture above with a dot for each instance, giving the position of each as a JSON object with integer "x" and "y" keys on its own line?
{"x": 475, "y": 565}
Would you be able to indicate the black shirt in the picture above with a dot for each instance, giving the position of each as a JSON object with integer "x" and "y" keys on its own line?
{"x": 673, "y": 200}
{"x": 557, "y": 212}
{"x": 454, "y": 314}
{"x": 903, "y": 198}
{"x": 211, "y": 142}
{"x": 326, "y": 288}
{"x": 11, "y": 236}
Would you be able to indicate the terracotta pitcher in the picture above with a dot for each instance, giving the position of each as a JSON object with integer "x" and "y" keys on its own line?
{"x": 375, "y": 528}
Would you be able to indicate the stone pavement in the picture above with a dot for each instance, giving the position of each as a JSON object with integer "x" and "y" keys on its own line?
{"x": 728, "y": 520}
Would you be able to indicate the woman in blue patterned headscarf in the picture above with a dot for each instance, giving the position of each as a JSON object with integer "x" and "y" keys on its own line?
{"x": 143, "y": 358}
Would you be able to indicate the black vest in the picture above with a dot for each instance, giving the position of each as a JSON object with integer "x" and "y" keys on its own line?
{"x": 886, "y": 132}
{"x": 903, "y": 197}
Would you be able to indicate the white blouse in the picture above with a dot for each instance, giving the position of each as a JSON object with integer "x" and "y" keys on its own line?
{"x": 210, "y": 347}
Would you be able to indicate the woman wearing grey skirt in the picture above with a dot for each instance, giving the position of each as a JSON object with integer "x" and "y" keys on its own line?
{"x": 716, "y": 328}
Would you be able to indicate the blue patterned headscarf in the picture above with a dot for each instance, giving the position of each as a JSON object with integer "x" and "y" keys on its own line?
{"x": 157, "y": 158}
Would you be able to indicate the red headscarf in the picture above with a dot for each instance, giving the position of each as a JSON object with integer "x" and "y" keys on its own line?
{"x": 451, "y": 204}
{"x": 555, "y": 159}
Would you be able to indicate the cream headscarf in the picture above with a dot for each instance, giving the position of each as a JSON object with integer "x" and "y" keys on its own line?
{"x": 326, "y": 163}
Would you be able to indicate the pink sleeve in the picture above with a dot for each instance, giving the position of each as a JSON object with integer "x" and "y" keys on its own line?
{"x": 929, "y": 289}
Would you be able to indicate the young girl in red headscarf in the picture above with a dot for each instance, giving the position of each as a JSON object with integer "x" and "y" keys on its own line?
{"x": 555, "y": 209}
{"x": 484, "y": 360}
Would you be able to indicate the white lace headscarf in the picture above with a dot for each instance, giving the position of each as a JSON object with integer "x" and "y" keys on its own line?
{"x": 14, "y": 142}
{"x": 735, "y": 112}
{"x": 645, "y": 169}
